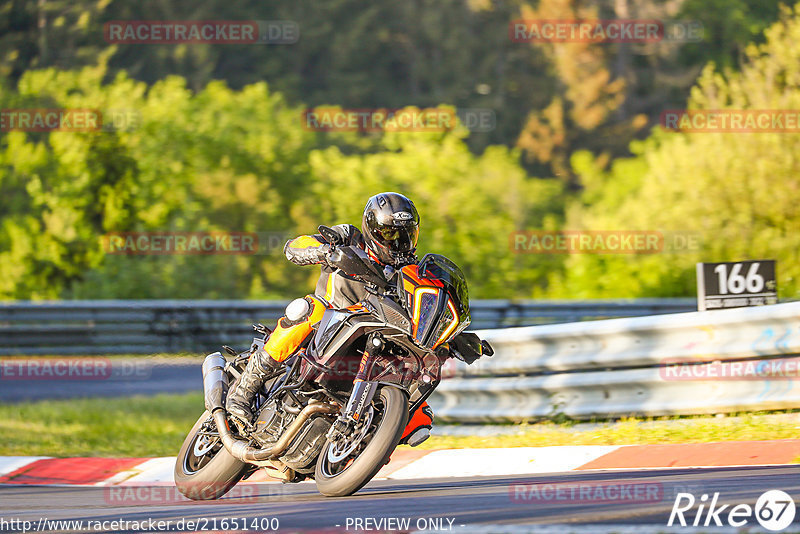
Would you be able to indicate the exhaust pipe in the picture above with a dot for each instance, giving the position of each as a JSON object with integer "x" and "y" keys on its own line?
{"x": 214, "y": 383}
{"x": 244, "y": 452}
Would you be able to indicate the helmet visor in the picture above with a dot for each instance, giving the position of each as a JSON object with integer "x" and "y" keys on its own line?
{"x": 397, "y": 238}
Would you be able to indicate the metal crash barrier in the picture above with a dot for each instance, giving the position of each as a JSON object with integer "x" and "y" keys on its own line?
{"x": 723, "y": 361}
{"x": 201, "y": 326}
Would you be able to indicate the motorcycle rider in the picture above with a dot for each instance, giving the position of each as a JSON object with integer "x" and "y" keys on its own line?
{"x": 389, "y": 232}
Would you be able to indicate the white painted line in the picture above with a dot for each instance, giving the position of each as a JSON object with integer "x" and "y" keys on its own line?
{"x": 501, "y": 461}
{"x": 153, "y": 470}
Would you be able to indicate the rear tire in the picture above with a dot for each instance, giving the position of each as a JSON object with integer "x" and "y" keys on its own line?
{"x": 201, "y": 478}
{"x": 369, "y": 461}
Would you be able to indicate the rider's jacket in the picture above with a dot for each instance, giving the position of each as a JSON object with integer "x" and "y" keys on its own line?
{"x": 333, "y": 285}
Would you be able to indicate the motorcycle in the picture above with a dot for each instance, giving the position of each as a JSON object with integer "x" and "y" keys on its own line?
{"x": 336, "y": 409}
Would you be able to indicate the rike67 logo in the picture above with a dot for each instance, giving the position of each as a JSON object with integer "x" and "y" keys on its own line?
{"x": 774, "y": 510}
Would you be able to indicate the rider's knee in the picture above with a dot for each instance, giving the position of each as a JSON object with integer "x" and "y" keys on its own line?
{"x": 293, "y": 327}
{"x": 297, "y": 311}
{"x": 306, "y": 309}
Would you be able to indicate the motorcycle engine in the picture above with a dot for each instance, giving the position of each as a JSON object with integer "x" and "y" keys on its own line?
{"x": 302, "y": 452}
{"x": 270, "y": 423}
{"x": 301, "y": 455}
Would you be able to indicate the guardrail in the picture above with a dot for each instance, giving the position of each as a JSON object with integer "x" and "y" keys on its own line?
{"x": 690, "y": 363}
{"x": 170, "y": 326}
{"x": 589, "y": 369}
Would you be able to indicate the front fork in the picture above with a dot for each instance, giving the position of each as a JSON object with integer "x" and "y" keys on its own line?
{"x": 363, "y": 390}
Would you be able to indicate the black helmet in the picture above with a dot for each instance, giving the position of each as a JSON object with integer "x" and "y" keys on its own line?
{"x": 391, "y": 228}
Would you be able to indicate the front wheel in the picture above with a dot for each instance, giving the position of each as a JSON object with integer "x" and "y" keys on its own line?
{"x": 344, "y": 466}
{"x": 205, "y": 470}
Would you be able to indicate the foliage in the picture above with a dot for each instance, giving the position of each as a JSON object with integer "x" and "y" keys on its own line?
{"x": 737, "y": 191}
{"x": 217, "y": 160}
{"x": 421, "y": 53}
{"x": 239, "y": 161}
{"x": 233, "y": 155}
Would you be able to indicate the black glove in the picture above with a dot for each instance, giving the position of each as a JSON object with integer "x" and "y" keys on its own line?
{"x": 467, "y": 347}
{"x": 331, "y": 256}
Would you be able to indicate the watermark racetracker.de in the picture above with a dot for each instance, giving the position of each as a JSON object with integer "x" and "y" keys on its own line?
{"x": 201, "y": 32}
{"x": 408, "y": 119}
{"x": 602, "y": 241}
{"x": 590, "y": 492}
{"x": 586, "y": 492}
{"x": 63, "y": 369}
{"x": 604, "y": 31}
{"x": 168, "y": 243}
{"x": 68, "y": 120}
{"x": 132, "y": 494}
{"x": 731, "y": 120}
{"x": 773, "y": 369}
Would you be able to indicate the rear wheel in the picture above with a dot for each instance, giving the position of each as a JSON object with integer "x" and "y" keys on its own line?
{"x": 344, "y": 466}
{"x": 205, "y": 470}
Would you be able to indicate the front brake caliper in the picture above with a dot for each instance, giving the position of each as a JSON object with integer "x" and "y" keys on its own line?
{"x": 341, "y": 427}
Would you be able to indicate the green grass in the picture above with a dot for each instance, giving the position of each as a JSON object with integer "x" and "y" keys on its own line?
{"x": 156, "y": 426}
{"x": 129, "y": 426}
{"x": 742, "y": 427}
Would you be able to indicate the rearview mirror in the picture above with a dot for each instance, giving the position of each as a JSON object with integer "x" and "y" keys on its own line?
{"x": 330, "y": 235}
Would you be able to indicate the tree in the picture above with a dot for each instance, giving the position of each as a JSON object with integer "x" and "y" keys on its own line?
{"x": 469, "y": 205}
{"x": 737, "y": 191}
{"x": 236, "y": 161}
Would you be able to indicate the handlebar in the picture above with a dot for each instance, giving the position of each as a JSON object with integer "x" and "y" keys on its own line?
{"x": 354, "y": 262}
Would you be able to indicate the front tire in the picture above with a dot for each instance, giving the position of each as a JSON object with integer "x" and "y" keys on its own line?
{"x": 338, "y": 479}
{"x": 208, "y": 476}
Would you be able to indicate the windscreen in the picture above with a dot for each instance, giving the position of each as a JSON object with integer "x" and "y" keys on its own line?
{"x": 441, "y": 268}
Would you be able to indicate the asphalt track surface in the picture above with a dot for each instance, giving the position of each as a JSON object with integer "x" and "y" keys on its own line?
{"x": 477, "y": 504}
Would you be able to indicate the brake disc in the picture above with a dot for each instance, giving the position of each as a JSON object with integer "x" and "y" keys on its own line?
{"x": 343, "y": 448}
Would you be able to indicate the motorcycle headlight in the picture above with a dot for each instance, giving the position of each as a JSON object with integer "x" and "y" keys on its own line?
{"x": 447, "y": 324}
{"x": 425, "y": 304}
{"x": 432, "y": 330}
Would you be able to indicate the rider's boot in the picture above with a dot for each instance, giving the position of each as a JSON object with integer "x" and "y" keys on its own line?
{"x": 419, "y": 426}
{"x": 288, "y": 335}
{"x": 260, "y": 365}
